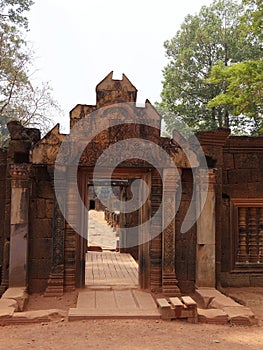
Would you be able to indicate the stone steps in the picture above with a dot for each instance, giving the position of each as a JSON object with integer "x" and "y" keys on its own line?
{"x": 178, "y": 308}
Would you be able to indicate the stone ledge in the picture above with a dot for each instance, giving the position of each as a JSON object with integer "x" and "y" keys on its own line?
{"x": 31, "y": 317}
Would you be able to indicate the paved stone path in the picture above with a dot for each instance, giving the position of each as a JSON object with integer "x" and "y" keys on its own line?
{"x": 111, "y": 280}
{"x": 99, "y": 232}
{"x": 111, "y": 269}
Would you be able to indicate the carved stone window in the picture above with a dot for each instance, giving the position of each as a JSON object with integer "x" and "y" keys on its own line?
{"x": 247, "y": 229}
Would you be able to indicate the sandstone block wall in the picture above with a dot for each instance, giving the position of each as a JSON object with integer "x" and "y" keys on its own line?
{"x": 40, "y": 235}
{"x": 242, "y": 179}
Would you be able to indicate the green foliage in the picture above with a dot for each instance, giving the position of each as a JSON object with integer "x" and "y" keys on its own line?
{"x": 243, "y": 81}
{"x": 216, "y": 35}
{"x": 243, "y": 95}
{"x": 11, "y": 11}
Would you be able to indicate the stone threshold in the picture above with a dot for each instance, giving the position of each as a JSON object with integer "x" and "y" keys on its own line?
{"x": 114, "y": 302}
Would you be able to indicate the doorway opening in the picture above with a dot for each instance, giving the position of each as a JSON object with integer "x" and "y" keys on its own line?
{"x": 108, "y": 261}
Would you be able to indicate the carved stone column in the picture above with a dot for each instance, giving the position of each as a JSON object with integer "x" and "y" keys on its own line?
{"x": 169, "y": 281}
{"x": 18, "y": 261}
{"x": 70, "y": 248}
{"x": 56, "y": 278}
{"x": 205, "y": 255}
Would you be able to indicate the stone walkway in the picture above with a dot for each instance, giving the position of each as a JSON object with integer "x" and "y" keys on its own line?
{"x": 100, "y": 234}
{"x": 111, "y": 280}
{"x": 111, "y": 269}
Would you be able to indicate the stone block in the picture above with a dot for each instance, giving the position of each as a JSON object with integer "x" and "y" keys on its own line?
{"x": 8, "y": 303}
{"x": 256, "y": 280}
{"x": 45, "y": 190}
{"x": 205, "y": 268}
{"x": 165, "y": 309}
{"x": 18, "y": 294}
{"x": 6, "y": 315}
{"x": 246, "y": 161}
{"x": 240, "y": 315}
{"x": 235, "y": 280}
{"x": 228, "y": 160}
{"x": 41, "y": 248}
{"x": 177, "y": 305}
{"x": 212, "y": 316}
{"x": 42, "y": 228}
{"x": 221, "y": 301}
{"x": 49, "y": 208}
{"x": 37, "y": 285}
{"x": 204, "y": 296}
{"x": 41, "y": 208}
{"x": 36, "y": 316}
{"x": 239, "y": 176}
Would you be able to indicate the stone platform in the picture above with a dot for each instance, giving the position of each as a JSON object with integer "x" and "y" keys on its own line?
{"x": 114, "y": 302}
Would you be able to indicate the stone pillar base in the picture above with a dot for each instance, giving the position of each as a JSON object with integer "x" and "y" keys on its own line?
{"x": 169, "y": 285}
{"x": 55, "y": 285}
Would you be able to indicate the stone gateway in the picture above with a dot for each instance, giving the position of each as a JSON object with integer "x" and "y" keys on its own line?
{"x": 43, "y": 240}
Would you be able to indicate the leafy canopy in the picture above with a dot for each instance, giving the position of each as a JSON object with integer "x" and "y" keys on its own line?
{"x": 214, "y": 36}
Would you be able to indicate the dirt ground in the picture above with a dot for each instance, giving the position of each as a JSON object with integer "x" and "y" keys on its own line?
{"x": 125, "y": 334}
{"x": 130, "y": 334}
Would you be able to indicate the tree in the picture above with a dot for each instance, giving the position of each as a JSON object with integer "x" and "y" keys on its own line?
{"x": 11, "y": 11}
{"x": 214, "y": 35}
{"x": 243, "y": 81}
{"x": 243, "y": 95}
{"x": 19, "y": 98}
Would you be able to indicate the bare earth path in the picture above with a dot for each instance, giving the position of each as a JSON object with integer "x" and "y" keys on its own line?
{"x": 130, "y": 334}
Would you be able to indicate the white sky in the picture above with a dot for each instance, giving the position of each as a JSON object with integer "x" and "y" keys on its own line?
{"x": 77, "y": 43}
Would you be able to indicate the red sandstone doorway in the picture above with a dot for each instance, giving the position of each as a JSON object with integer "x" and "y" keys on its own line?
{"x": 132, "y": 263}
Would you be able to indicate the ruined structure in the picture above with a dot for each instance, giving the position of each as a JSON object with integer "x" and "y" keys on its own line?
{"x": 40, "y": 250}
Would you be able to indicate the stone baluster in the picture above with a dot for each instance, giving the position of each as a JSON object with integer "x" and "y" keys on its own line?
{"x": 242, "y": 255}
{"x": 260, "y": 235}
{"x": 252, "y": 228}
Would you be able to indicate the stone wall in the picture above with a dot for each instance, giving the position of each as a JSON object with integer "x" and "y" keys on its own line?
{"x": 3, "y": 160}
{"x": 40, "y": 229}
{"x": 242, "y": 182}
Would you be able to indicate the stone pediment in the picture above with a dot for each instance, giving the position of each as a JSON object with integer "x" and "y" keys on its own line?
{"x": 114, "y": 118}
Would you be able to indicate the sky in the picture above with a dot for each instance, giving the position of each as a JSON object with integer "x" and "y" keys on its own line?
{"x": 77, "y": 43}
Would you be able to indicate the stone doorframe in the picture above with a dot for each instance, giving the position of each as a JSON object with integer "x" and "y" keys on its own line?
{"x": 144, "y": 249}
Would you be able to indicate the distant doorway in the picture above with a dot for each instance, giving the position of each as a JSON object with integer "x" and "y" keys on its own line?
{"x": 129, "y": 265}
